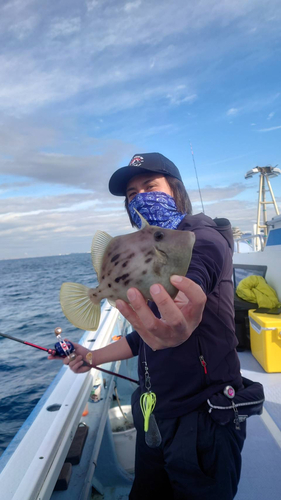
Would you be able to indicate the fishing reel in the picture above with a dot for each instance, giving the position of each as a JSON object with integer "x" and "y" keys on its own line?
{"x": 60, "y": 351}
{"x": 63, "y": 347}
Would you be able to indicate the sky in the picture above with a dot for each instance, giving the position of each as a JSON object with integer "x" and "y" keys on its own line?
{"x": 86, "y": 84}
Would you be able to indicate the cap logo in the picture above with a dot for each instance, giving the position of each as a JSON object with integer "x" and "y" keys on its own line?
{"x": 136, "y": 161}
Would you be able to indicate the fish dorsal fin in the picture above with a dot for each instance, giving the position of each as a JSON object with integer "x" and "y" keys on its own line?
{"x": 100, "y": 242}
{"x": 144, "y": 222}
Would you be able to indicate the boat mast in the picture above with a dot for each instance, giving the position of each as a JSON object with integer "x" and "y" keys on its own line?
{"x": 265, "y": 174}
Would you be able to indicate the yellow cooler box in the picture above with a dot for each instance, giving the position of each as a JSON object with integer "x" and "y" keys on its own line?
{"x": 265, "y": 337}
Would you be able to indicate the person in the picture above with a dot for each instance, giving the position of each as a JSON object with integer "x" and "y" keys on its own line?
{"x": 186, "y": 346}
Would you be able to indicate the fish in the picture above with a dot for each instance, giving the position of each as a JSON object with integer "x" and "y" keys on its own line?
{"x": 139, "y": 259}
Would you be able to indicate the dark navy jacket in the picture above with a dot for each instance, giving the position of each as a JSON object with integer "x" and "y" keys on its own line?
{"x": 184, "y": 377}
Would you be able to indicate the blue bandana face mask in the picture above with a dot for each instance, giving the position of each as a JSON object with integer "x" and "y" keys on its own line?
{"x": 158, "y": 209}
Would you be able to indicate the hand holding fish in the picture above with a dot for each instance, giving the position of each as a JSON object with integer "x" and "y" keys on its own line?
{"x": 179, "y": 317}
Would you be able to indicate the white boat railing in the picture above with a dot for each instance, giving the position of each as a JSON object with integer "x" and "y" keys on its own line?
{"x": 32, "y": 470}
{"x": 252, "y": 237}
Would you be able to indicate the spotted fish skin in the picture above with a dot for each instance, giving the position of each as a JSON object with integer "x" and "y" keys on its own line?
{"x": 150, "y": 255}
{"x": 141, "y": 259}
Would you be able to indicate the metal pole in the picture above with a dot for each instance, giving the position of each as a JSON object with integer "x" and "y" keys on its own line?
{"x": 272, "y": 196}
{"x": 259, "y": 207}
{"x": 264, "y": 204}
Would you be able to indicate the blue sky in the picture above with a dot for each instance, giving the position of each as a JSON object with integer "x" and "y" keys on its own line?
{"x": 85, "y": 84}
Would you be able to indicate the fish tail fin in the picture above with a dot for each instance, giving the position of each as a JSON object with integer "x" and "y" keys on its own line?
{"x": 78, "y": 307}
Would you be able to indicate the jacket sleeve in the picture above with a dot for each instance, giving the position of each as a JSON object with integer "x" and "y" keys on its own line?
{"x": 133, "y": 340}
{"x": 207, "y": 258}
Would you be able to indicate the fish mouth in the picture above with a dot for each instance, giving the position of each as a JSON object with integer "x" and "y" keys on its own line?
{"x": 161, "y": 251}
{"x": 162, "y": 256}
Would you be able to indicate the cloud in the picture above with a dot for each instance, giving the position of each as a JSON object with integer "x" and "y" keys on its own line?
{"x": 160, "y": 95}
{"x": 235, "y": 212}
{"x": 168, "y": 128}
{"x": 269, "y": 129}
{"x": 128, "y": 7}
{"x": 24, "y": 28}
{"x": 57, "y": 225}
{"x": 6, "y": 187}
{"x": 62, "y": 224}
{"x": 24, "y": 142}
{"x": 271, "y": 115}
{"x": 65, "y": 27}
{"x": 55, "y": 207}
{"x": 69, "y": 50}
{"x": 255, "y": 104}
{"x": 180, "y": 95}
{"x": 210, "y": 193}
{"x": 84, "y": 85}
{"x": 232, "y": 112}
{"x": 227, "y": 160}
{"x": 36, "y": 87}
{"x": 91, "y": 4}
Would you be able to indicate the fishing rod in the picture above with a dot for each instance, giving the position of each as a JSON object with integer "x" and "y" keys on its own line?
{"x": 64, "y": 348}
{"x": 53, "y": 352}
{"x": 197, "y": 178}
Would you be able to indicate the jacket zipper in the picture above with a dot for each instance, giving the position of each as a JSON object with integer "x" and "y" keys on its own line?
{"x": 203, "y": 363}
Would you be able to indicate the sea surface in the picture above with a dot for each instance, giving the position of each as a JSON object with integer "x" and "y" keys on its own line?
{"x": 30, "y": 310}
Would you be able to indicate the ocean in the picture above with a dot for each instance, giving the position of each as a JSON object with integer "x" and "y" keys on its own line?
{"x": 30, "y": 310}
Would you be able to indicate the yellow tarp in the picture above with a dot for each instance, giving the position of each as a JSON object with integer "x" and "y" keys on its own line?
{"x": 255, "y": 289}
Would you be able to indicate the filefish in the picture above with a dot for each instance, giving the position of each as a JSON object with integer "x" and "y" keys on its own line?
{"x": 141, "y": 259}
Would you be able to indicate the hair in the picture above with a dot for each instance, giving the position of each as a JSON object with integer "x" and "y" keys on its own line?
{"x": 180, "y": 196}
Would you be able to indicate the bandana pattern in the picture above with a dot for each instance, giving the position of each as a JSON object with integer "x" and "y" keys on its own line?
{"x": 158, "y": 209}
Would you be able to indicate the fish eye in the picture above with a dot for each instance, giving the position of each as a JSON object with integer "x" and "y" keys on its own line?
{"x": 158, "y": 235}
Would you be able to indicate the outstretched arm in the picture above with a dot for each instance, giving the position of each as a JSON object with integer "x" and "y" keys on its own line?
{"x": 179, "y": 317}
{"x": 113, "y": 352}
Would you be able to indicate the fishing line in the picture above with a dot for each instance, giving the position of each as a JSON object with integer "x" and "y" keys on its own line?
{"x": 152, "y": 434}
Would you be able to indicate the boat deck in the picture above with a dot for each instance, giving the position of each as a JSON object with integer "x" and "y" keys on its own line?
{"x": 35, "y": 445}
{"x": 260, "y": 478}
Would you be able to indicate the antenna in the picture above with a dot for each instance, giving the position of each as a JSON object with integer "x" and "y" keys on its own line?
{"x": 197, "y": 178}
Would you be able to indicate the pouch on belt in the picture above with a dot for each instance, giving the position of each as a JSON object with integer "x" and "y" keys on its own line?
{"x": 237, "y": 406}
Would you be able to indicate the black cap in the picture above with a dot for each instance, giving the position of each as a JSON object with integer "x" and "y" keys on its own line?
{"x": 141, "y": 164}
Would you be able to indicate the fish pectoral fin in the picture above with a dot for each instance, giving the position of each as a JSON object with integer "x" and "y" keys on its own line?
{"x": 78, "y": 307}
{"x": 144, "y": 222}
{"x": 100, "y": 242}
{"x": 161, "y": 256}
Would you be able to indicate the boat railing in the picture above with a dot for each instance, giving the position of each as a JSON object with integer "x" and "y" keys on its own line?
{"x": 260, "y": 243}
{"x": 40, "y": 454}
